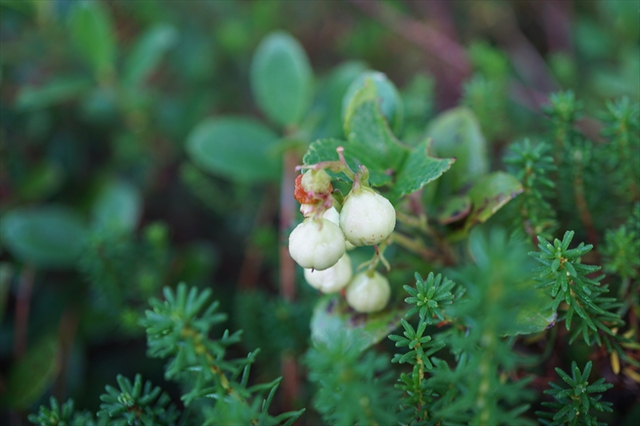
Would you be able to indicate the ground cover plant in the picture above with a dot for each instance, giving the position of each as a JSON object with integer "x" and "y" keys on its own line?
{"x": 365, "y": 212}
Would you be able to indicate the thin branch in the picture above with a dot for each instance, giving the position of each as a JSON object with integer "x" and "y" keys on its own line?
{"x": 23, "y": 303}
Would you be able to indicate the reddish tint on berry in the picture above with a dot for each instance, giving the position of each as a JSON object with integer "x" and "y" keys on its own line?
{"x": 304, "y": 197}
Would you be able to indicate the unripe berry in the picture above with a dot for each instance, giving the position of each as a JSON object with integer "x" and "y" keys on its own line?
{"x": 316, "y": 244}
{"x": 367, "y": 218}
{"x": 332, "y": 279}
{"x": 368, "y": 294}
{"x": 316, "y": 181}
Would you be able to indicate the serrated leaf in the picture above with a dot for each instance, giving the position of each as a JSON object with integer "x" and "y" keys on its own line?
{"x": 386, "y": 93}
{"x": 490, "y": 194}
{"x": 147, "y": 53}
{"x": 32, "y": 374}
{"x": 332, "y": 315}
{"x": 238, "y": 148}
{"x": 118, "y": 206}
{"x": 456, "y": 134}
{"x": 93, "y": 34}
{"x": 52, "y": 93}
{"x": 281, "y": 78}
{"x": 47, "y": 236}
{"x": 419, "y": 169}
{"x": 371, "y": 143}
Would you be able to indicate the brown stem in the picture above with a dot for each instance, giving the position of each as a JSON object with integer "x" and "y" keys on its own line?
{"x": 290, "y": 385}
{"x": 287, "y": 214}
{"x": 253, "y": 255}
{"x": 66, "y": 336}
{"x": 23, "y": 302}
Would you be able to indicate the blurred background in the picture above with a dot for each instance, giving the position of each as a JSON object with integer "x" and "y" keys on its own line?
{"x": 102, "y": 204}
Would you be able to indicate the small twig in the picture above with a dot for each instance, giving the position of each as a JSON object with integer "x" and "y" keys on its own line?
{"x": 66, "y": 337}
{"x": 254, "y": 256}
{"x": 23, "y": 302}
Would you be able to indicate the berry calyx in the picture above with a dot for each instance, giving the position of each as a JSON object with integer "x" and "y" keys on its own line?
{"x": 316, "y": 244}
{"x": 333, "y": 279}
{"x": 368, "y": 293}
{"x": 367, "y": 218}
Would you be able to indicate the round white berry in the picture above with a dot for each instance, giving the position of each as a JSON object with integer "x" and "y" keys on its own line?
{"x": 332, "y": 279}
{"x": 367, "y": 218}
{"x": 316, "y": 244}
{"x": 368, "y": 294}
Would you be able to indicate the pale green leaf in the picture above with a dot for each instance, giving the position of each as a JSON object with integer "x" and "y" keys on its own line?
{"x": 237, "y": 148}
{"x": 281, "y": 78}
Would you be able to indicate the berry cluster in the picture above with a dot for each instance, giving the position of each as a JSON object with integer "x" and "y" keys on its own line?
{"x": 320, "y": 243}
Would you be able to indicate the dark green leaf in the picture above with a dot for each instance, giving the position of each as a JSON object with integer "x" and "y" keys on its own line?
{"x": 147, "y": 53}
{"x": 532, "y": 313}
{"x": 238, "y": 148}
{"x": 453, "y": 209}
{"x": 31, "y": 375}
{"x": 332, "y": 315}
{"x": 419, "y": 170}
{"x": 92, "y": 32}
{"x": 281, "y": 78}
{"x": 46, "y": 236}
{"x": 371, "y": 142}
{"x": 456, "y": 133}
{"x": 489, "y": 194}
{"x": 52, "y": 93}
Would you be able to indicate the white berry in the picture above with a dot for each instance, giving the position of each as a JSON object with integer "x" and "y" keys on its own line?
{"x": 316, "y": 244}
{"x": 332, "y": 279}
{"x": 368, "y": 294}
{"x": 367, "y": 218}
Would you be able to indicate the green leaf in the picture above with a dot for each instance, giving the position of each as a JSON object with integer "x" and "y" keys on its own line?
{"x": 46, "y": 236}
{"x": 33, "y": 374}
{"x": 327, "y": 109}
{"x": 331, "y": 315}
{"x": 42, "y": 180}
{"x": 531, "y": 314}
{"x": 456, "y": 133}
{"x": 52, "y": 93}
{"x": 118, "y": 206}
{"x": 490, "y": 194}
{"x": 419, "y": 170}
{"x": 385, "y": 93}
{"x": 370, "y": 140}
{"x": 92, "y": 32}
{"x": 238, "y": 148}
{"x": 453, "y": 209}
{"x": 281, "y": 78}
{"x": 147, "y": 53}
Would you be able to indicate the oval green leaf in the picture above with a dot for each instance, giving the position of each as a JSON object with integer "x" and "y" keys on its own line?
{"x": 30, "y": 376}
{"x": 332, "y": 315}
{"x": 147, "y": 53}
{"x": 456, "y": 133}
{"x": 47, "y": 236}
{"x": 118, "y": 206}
{"x": 281, "y": 78}
{"x": 93, "y": 34}
{"x": 237, "y": 148}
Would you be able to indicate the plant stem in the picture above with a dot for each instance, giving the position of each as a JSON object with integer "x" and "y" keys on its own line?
{"x": 23, "y": 302}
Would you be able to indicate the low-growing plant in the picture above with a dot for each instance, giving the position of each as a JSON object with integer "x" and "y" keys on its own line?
{"x": 449, "y": 267}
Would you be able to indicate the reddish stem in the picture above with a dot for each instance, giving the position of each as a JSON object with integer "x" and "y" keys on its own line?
{"x": 23, "y": 302}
